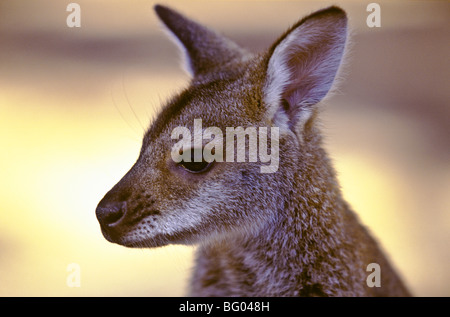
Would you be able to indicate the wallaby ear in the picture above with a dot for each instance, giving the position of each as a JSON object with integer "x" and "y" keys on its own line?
{"x": 204, "y": 49}
{"x": 302, "y": 66}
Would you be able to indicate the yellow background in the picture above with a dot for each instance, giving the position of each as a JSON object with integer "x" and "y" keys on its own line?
{"x": 74, "y": 103}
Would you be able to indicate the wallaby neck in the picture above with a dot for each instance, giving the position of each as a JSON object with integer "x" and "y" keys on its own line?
{"x": 306, "y": 239}
{"x": 313, "y": 245}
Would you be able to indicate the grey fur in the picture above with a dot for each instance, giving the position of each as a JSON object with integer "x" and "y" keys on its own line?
{"x": 288, "y": 233}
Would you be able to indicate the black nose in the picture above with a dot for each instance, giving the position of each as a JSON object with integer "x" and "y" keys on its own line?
{"x": 110, "y": 212}
{"x": 113, "y": 212}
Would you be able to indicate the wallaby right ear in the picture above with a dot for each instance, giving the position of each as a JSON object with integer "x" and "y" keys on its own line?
{"x": 203, "y": 48}
{"x": 302, "y": 66}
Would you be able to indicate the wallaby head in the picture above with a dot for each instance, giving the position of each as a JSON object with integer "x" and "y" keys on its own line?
{"x": 162, "y": 200}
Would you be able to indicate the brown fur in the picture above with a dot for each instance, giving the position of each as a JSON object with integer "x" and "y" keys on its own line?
{"x": 288, "y": 233}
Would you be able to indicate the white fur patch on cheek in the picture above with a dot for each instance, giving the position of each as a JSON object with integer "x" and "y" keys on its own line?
{"x": 191, "y": 216}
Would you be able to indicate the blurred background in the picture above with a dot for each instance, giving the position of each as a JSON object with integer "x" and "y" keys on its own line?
{"x": 74, "y": 103}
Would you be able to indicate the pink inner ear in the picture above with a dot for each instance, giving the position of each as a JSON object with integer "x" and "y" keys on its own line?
{"x": 304, "y": 64}
{"x": 312, "y": 68}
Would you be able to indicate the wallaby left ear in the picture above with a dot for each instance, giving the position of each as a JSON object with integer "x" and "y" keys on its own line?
{"x": 204, "y": 49}
{"x": 302, "y": 67}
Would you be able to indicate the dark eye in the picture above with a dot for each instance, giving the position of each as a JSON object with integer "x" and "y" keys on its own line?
{"x": 196, "y": 167}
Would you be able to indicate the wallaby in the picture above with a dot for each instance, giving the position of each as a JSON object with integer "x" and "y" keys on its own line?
{"x": 282, "y": 233}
